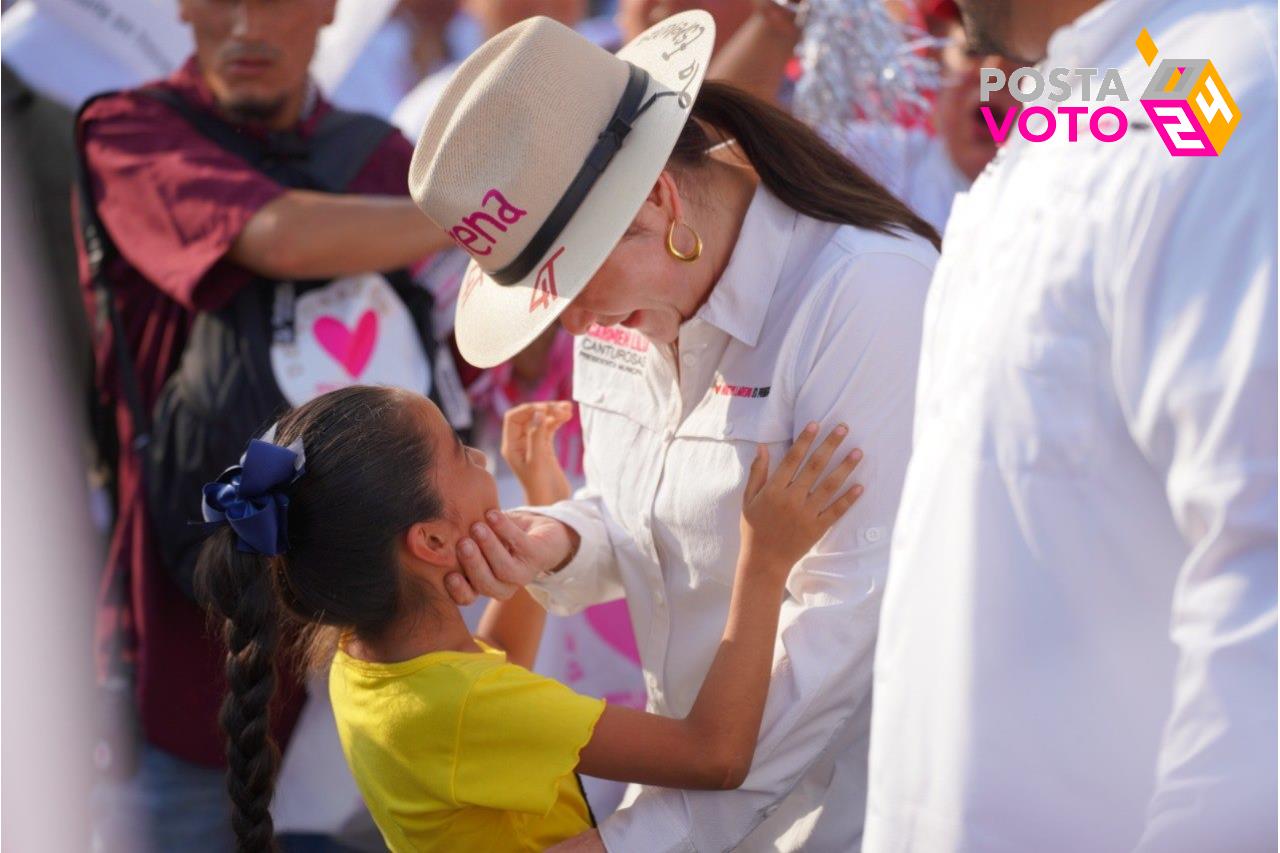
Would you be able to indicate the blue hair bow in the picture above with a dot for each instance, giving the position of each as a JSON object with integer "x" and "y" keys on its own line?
{"x": 251, "y": 497}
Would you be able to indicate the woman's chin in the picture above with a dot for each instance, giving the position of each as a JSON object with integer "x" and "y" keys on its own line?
{"x": 656, "y": 326}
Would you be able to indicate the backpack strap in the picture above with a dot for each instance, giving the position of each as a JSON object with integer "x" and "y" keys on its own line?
{"x": 345, "y": 143}
{"x": 342, "y": 144}
{"x": 279, "y": 155}
{"x": 99, "y": 252}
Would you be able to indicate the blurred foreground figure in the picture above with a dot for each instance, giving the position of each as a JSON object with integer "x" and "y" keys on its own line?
{"x": 1078, "y": 643}
{"x": 233, "y": 226}
{"x": 48, "y": 548}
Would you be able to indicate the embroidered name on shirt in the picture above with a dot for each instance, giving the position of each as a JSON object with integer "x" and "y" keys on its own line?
{"x": 487, "y": 224}
{"x": 619, "y": 335}
{"x": 614, "y": 347}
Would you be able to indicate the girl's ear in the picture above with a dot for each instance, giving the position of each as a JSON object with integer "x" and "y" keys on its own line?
{"x": 433, "y": 542}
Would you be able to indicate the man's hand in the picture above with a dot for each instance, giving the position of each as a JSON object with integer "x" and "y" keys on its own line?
{"x": 587, "y": 842}
{"x": 508, "y": 552}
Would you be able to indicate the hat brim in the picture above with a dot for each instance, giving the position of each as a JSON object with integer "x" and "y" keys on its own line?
{"x": 495, "y": 322}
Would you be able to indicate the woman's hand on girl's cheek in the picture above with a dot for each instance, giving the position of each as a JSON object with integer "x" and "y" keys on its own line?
{"x": 477, "y": 556}
{"x": 459, "y": 589}
{"x": 506, "y": 552}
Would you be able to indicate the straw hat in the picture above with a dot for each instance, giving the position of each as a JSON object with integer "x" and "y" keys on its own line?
{"x": 538, "y": 157}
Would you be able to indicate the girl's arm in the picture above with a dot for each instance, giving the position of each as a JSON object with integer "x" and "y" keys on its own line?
{"x": 783, "y": 517}
{"x": 713, "y": 746}
{"x": 515, "y": 625}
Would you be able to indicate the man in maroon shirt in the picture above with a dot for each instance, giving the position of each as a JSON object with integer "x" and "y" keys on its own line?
{"x": 193, "y": 225}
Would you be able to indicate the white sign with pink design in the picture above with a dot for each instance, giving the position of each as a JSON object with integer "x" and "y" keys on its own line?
{"x": 351, "y": 331}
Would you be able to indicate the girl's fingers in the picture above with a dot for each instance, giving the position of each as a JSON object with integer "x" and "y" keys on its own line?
{"x": 532, "y": 437}
{"x": 520, "y": 414}
{"x": 840, "y": 505}
{"x": 838, "y": 475}
{"x": 758, "y": 474}
{"x": 791, "y": 461}
{"x": 808, "y": 475}
{"x": 547, "y": 426}
{"x": 515, "y": 424}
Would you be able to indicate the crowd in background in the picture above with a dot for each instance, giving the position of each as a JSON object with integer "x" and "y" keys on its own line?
{"x": 172, "y": 787}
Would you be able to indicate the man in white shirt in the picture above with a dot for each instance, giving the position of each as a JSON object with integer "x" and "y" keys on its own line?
{"x": 1078, "y": 642}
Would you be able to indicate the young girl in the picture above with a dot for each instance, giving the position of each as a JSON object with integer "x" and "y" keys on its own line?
{"x": 344, "y": 526}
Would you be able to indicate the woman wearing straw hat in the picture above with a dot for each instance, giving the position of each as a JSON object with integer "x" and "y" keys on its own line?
{"x": 731, "y": 280}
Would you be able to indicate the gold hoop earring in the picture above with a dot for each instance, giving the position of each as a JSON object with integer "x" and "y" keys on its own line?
{"x": 671, "y": 243}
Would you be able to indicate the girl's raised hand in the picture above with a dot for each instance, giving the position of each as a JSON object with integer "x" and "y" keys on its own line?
{"x": 786, "y": 513}
{"x": 527, "y": 446}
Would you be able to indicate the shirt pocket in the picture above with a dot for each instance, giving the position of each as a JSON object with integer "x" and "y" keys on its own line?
{"x": 620, "y": 449}
{"x": 700, "y": 502}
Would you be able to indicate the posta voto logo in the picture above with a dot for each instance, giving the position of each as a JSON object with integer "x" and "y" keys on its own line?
{"x": 1187, "y": 101}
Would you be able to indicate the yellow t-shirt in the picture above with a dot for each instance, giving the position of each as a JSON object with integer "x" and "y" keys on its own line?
{"x": 458, "y": 751}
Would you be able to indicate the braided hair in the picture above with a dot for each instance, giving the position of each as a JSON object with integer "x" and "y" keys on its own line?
{"x": 366, "y": 481}
{"x": 241, "y": 593}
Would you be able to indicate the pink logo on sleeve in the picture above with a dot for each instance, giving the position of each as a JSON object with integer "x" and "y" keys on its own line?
{"x": 725, "y": 389}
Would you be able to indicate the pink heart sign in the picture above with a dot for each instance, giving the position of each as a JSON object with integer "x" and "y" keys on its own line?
{"x": 351, "y": 349}
{"x": 612, "y": 623}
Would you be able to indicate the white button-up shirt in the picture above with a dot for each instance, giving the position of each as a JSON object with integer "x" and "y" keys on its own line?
{"x": 809, "y": 322}
{"x": 1078, "y": 645}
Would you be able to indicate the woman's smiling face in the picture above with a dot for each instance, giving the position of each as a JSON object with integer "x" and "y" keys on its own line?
{"x": 640, "y": 285}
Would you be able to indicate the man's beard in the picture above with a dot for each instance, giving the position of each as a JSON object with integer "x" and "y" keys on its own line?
{"x": 255, "y": 110}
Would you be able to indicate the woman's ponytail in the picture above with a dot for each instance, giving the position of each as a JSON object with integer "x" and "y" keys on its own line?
{"x": 238, "y": 587}
{"x": 794, "y": 163}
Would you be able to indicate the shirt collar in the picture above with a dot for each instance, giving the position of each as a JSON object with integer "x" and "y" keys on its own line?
{"x": 1095, "y": 34}
{"x": 740, "y": 300}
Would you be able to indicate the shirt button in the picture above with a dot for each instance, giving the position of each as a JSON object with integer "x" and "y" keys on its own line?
{"x": 874, "y": 534}
{"x": 688, "y": 359}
